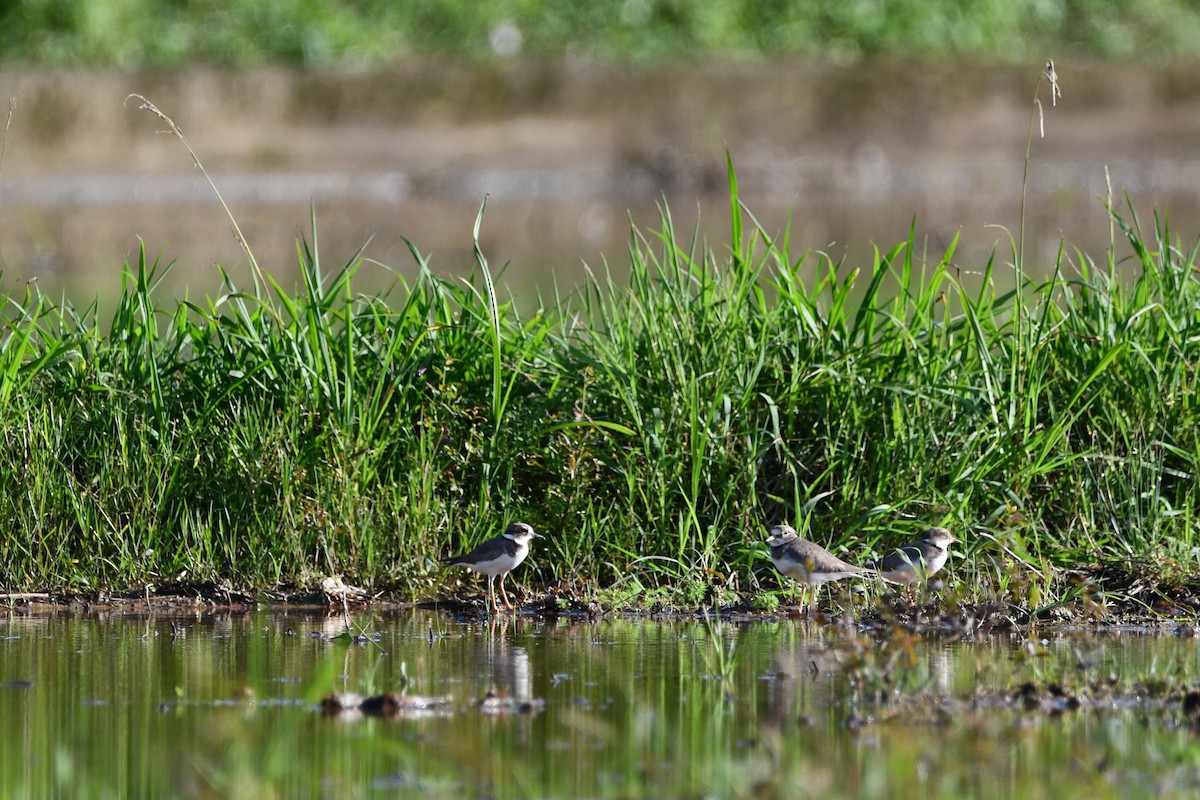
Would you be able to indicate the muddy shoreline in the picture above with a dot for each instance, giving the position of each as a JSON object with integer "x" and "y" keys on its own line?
{"x": 1096, "y": 610}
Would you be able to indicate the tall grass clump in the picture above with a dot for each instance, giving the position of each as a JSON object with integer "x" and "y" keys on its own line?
{"x": 651, "y": 426}
{"x": 261, "y": 436}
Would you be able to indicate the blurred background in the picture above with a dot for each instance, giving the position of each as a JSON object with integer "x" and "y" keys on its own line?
{"x": 849, "y": 122}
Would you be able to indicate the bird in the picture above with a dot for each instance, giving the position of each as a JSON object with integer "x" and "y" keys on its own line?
{"x": 807, "y": 562}
{"x": 918, "y": 560}
{"x": 499, "y": 555}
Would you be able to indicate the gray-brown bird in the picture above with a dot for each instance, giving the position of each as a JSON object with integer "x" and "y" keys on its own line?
{"x": 807, "y": 562}
{"x": 918, "y": 560}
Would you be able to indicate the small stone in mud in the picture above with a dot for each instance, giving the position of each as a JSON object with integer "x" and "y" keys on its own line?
{"x": 1028, "y": 693}
{"x": 1191, "y": 703}
{"x": 388, "y": 705}
{"x": 383, "y": 705}
{"x": 531, "y": 707}
{"x": 339, "y": 702}
{"x": 495, "y": 703}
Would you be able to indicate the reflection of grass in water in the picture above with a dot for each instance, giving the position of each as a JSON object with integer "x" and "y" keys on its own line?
{"x": 637, "y": 714}
{"x": 648, "y": 427}
{"x": 668, "y": 734}
{"x": 725, "y": 646}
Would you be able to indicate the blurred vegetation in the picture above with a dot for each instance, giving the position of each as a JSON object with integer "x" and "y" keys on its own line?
{"x": 321, "y": 32}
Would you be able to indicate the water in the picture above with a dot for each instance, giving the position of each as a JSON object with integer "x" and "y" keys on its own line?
{"x": 226, "y": 705}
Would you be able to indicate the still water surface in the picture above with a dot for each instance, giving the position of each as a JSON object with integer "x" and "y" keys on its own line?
{"x": 226, "y": 705}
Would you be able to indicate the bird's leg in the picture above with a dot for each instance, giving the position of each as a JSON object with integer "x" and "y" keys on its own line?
{"x": 492, "y": 594}
{"x": 800, "y": 596}
{"x": 504, "y": 594}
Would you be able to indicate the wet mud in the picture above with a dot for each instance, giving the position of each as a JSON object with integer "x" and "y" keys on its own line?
{"x": 1097, "y": 596}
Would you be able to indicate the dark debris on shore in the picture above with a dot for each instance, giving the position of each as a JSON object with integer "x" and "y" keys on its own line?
{"x": 1103, "y": 597}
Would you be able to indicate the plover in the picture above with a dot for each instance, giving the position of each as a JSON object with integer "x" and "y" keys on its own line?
{"x": 499, "y": 555}
{"x": 806, "y": 562}
{"x": 917, "y": 560}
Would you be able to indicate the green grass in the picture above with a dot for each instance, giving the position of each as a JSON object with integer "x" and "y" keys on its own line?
{"x": 318, "y": 32}
{"x": 651, "y": 427}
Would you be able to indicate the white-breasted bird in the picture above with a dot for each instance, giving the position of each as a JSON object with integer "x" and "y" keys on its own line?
{"x": 918, "y": 560}
{"x": 498, "y": 556}
{"x": 807, "y": 562}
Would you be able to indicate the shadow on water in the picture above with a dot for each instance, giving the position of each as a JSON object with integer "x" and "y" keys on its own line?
{"x": 229, "y": 705}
